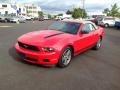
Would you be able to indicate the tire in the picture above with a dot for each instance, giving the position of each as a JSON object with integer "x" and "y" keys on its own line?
{"x": 65, "y": 58}
{"x": 5, "y": 21}
{"x": 106, "y": 25}
{"x": 18, "y": 21}
{"x": 98, "y": 44}
{"x": 117, "y": 27}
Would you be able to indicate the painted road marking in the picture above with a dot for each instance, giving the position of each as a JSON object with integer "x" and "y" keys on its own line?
{"x": 6, "y": 26}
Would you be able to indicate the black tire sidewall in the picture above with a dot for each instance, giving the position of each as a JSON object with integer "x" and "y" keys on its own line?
{"x": 99, "y": 40}
{"x": 96, "y": 46}
{"x": 106, "y": 25}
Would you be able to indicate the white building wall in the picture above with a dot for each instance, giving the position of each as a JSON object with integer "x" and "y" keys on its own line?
{"x": 7, "y": 9}
{"x": 22, "y": 8}
{"x": 12, "y": 8}
{"x": 32, "y": 10}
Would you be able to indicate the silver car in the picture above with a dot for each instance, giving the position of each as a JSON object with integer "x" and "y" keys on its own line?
{"x": 107, "y": 21}
{"x": 18, "y": 19}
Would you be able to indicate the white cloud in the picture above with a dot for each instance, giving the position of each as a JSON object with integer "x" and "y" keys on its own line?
{"x": 63, "y": 5}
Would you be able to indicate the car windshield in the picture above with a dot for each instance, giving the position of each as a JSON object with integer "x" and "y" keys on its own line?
{"x": 67, "y": 27}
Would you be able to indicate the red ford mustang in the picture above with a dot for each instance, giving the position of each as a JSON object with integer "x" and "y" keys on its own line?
{"x": 58, "y": 44}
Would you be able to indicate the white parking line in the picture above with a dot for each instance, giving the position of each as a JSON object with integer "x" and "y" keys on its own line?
{"x": 6, "y": 26}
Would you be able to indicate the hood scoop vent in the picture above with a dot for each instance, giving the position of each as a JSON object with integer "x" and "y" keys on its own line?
{"x": 53, "y": 35}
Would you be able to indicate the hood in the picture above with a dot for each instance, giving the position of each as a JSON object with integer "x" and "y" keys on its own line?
{"x": 44, "y": 37}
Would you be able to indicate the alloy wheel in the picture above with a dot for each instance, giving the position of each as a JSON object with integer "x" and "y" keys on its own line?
{"x": 66, "y": 57}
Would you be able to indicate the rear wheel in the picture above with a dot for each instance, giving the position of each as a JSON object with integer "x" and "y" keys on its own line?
{"x": 65, "y": 58}
{"x": 98, "y": 44}
{"x": 106, "y": 25}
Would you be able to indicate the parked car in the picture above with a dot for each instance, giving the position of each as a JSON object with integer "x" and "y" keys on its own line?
{"x": 17, "y": 19}
{"x": 117, "y": 24}
{"x": 4, "y": 18}
{"x": 91, "y": 19}
{"x": 41, "y": 18}
{"x": 58, "y": 44}
{"x": 107, "y": 22}
{"x": 27, "y": 18}
{"x": 97, "y": 19}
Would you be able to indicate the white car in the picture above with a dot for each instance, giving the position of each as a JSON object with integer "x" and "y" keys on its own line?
{"x": 107, "y": 22}
{"x": 27, "y": 18}
{"x": 17, "y": 19}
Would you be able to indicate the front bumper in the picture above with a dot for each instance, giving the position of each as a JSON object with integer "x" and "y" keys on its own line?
{"x": 37, "y": 57}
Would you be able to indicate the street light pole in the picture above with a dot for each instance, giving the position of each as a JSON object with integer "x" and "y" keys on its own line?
{"x": 83, "y": 7}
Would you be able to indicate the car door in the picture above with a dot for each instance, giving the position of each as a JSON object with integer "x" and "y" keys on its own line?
{"x": 95, "y": 32}
{"x": 84, "y": 40}
{"x": 110, "y": 21}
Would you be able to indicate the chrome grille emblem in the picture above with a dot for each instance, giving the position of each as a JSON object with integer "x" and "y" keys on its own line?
{"x": 25, "y": 46}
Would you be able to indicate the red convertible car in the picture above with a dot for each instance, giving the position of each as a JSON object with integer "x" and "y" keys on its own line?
{"x": 59, "y": 43}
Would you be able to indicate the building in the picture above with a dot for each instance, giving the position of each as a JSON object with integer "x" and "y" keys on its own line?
{"x": 15, "y": 9}
{"x": 19, "y": 9}
{"x": 32, "y": 9}
{"x": 6, "y": 8}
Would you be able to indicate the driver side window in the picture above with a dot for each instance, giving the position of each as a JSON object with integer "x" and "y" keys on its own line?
{"x": 86, "y": 27}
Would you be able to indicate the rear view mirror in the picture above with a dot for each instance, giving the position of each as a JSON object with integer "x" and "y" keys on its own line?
{"x": 84, "y": 32}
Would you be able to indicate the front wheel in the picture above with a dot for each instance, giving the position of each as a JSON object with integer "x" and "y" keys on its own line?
{"x": 65, "y": 58}
{"x": 5, "y": 21}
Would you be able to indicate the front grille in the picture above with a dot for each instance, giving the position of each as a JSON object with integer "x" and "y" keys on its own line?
{"x": 31, "y": 59}
{"x": 29, "y": 47}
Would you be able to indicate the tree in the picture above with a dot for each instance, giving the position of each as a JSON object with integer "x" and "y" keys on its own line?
{"x": 49, "y": 16}
{"x": 69, "y": 12}
{"x": 40, "y": 13}
{"x": 60, "y": 14}
{"x": 78, "y": 12}
{"x": 84, "y": 15}
{"x": 106, "y": 11}
{"x": 113, "y": 11}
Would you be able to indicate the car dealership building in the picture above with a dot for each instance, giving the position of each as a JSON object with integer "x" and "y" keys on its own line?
{"x": 7, "y": 8}
{"x": 19, "y": 9}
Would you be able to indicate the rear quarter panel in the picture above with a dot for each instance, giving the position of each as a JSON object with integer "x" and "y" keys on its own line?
{"x": 101, "y": 31}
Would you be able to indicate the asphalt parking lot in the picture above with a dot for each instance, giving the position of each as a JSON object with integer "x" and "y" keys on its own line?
{"x": 91, "y": 70}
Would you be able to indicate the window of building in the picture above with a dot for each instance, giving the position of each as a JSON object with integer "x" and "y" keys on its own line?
{"x": 4, "y": 5}
{"x": 34, "y": 7}
{"x": 34, "y": 12}
{"x": 6, "y": 12}
{"x": 23, "y": 9}
{"x": 30, "y": 7}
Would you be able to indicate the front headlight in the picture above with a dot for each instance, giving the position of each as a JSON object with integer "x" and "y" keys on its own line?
{"x": 48, "y": 49}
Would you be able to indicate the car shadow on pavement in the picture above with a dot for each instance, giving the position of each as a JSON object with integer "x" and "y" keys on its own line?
{"x": 13, "y": 54}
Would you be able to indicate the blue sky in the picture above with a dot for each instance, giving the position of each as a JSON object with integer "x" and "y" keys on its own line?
{"x": 63, "y": 5}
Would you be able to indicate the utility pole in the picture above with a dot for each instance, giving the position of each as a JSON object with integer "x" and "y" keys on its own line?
{"x": 83, "y": 7}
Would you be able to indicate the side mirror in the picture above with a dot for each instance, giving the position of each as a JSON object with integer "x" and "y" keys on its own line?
{"x": 84, "y": 31}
